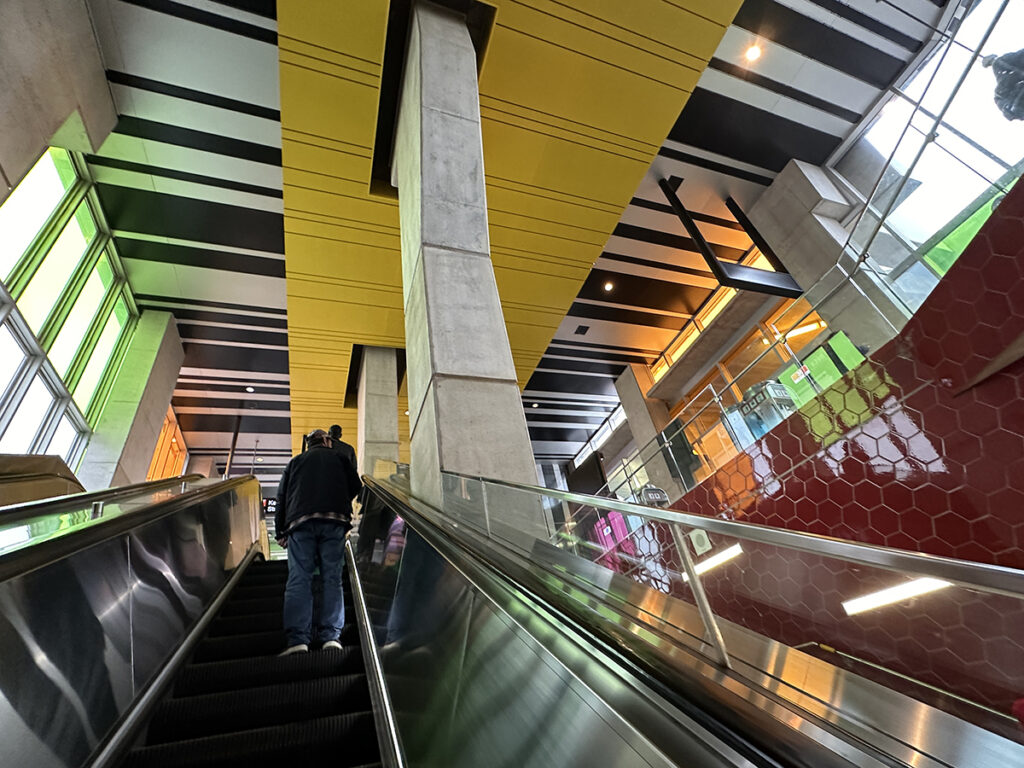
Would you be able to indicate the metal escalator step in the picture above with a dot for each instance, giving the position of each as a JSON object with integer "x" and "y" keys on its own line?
{"x": 235, "y": 607}
{"x": 344, "y": 741}
{"x": 257, "y": 592}
{"x": 237, "y": 674}
{"x": 254, "y": 644}
{"x": 261, "y": 707}
{"x": 244, "y": 625}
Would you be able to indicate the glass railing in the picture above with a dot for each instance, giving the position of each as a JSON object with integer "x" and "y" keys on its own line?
{"x": 938, "y": 630}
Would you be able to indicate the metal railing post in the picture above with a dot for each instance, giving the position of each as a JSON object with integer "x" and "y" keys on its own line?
{"x": 700, "y": 597}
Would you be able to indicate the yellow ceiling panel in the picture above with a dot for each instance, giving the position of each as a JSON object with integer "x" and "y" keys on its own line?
{"x": 575, "y": 103}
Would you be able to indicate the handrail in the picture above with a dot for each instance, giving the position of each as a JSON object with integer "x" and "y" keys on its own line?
{"x": 983, "y": 576}
{"x": 15, "y": 512}
{"x": 22, "y": 561}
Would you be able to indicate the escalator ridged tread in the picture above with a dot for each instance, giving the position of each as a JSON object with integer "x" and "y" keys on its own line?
{"x": 237, "y": 703}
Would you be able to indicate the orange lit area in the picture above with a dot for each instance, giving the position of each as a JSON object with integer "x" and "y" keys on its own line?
{"x": 171, "y": 451}
{"x": 712, "y": 308}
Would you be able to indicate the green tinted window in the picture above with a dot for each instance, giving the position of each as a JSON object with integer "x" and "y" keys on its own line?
{"x": 77, "y": 323}
{"x": 27, "y": 418}
{"x": 11, "y": 357}
{"x": 28, "y": 207}
{"x": 53, "y": 274}
{"x": 101, "y": 355}
{"x": 845, "y": 351}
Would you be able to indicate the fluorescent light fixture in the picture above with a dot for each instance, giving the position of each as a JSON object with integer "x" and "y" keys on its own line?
{"x": 608, "y": 286}
{"x": 716, "y": 560}
{"x": 753, "y": 53}
{"x": 896, "y": 594}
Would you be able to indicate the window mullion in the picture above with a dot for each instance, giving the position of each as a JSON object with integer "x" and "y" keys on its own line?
{"x": 31, "y": 260}
{"x": 81, "y": 358}
{"x": 19, "y": 387}
{"x": 49, "y": 426}
{"x": 61, "y": 310}
{"x": 99, "y": 397}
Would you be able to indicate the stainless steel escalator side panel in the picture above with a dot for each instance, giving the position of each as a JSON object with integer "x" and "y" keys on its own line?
{"x": 473, "y": 680}
{"x": 82, "y": 636}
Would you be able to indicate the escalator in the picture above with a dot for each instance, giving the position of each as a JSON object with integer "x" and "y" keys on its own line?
{"x": 482, "y": 629}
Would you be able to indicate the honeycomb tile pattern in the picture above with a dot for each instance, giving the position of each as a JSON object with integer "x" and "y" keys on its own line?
{"x": 897, "y": 453}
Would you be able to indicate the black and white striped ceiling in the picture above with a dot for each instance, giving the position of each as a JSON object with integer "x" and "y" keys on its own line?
{"x": 190, "y": 182}
{"x": 824, "y": 67}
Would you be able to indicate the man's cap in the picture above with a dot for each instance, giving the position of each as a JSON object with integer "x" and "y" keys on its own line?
{"x": 317, "y": 436}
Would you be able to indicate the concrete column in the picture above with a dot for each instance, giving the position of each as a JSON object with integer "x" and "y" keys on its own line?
{"x": 800, "y": 216}
{"x": 202, "y": 465}
{"x": 122, "y": 446}
{"x": 464, "y": 403}
{"x": 378, "y": 412}
{"x": 646, "y": 418}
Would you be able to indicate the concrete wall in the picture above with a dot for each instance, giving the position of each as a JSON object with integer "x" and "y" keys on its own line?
{"x": 122, "y": 445}
{"x": 800, "y": 217}
{"x": 53, "y": 88}
{"x": 646, "y": 417}
{"x": 378, "y": 412}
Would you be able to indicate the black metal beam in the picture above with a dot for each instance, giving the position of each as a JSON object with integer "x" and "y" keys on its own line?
{"x": 755, "y": 236}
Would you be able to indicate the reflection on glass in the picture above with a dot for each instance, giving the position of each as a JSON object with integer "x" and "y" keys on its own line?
{"x": 77, "y": 323}
{"x": 28, "y": 207}
{"x": 11, "y": 357}
{"x": 63, "y": 439}
{"x": 28, "y": 418}
{"x": 53, "y": 274}
{"x": 101, "y": 355}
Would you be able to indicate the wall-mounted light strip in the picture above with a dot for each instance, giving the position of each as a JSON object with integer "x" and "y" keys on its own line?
{"x": 896, "y": 594}
{"x": 716, "y": 560}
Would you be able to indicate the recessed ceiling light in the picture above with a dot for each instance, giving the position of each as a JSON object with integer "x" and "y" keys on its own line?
{"x": 174, "y": 440}
{"x": 608, "y": 286}
{"x": 753, "y": 53}
{"x": 259, "y": 459}
{"x": 249, "y": 389}
{"x": 406, "y": 413}
{"x": 535, "y": 405}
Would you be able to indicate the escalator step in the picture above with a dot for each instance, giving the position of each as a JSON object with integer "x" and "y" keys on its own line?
{"x": 245, "y": 625}
{"x": 255, "y": 644}
{"x": 261, "y": 707}
{"x": 258, "y": 592}
{"x": 217, "y": 676}
{"x": 236, "y": 607}
{"x": 345, "y": 741}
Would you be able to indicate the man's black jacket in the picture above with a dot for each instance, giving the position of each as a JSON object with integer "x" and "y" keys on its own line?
{"x": 319, "y": 482}
{"x": 345, "y": 450}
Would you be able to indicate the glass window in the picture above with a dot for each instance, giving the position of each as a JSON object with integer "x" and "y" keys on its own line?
{"x": 77, "y": 323}
{"x": 28, "y": 207}
{"x": 27, "y": 418}
{"x": 11, "y": 357}
{"x": 63, "y": 439}
{"x": 53, "y": 274}
{"x": 101, "y": 355}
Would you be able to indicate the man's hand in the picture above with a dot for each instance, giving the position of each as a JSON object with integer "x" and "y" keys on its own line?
{"x": 283, "y": 542}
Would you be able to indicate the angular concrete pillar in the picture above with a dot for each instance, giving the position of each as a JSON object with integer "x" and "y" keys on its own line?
{"x": 464, "y": 403}
{"x": 378, "y": 412}
{"x": 122, "y": 445}
{"x": 646, "y": 418}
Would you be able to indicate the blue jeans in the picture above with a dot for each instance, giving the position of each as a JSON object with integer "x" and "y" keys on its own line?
{"x": 314, "y": 542}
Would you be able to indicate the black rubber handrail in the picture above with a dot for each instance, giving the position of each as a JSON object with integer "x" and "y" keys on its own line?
{"x": 46, "y": 552}
{"x": 58, "y": 504}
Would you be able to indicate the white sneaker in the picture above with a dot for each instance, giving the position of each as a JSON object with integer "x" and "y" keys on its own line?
{"x": 300, "y": 648}
{"x": 332, "y": 645}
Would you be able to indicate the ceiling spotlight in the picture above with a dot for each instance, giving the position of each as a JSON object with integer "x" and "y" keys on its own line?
{"x": 249, "y": 389}
{"x": 608, "y": 286}
{"x": 174, "y": 440}
{"x": 753, "y": 53}
{"x": 535, "y": 405}
{"x": 406, "y": 413}
{"x": 259, "y": 459}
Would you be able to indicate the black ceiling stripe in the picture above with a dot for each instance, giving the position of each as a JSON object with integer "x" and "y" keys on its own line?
{"x": 206, "y": 142}
{"x": 239, "y": 390}
{"x": 626, "y": 316}
{"x": 596, "y": 419}
{"x": 225, "y": 422}
{"x": 560, "y": 435}
{"x": 234, "y": 26}
{"x": 592, "y": 344}
{"x": 167, "y": 253}
{"x": 880, "y": 28}
{"x": 707, "y": 218}
{"x": 559, "y": 364}
{"x": 572, "y": 384}
{"x": 683, "y": 243}
{"x": 149, "y": 297}
{"x": 264, "y": 8}
{"x": 218, "y": 317}
{"x": 190, "y": 401}
{"x": 725, "y": 126}
{"x": 556, "y": 353}
{"x": 184, "y": 218}
{"x": 642, "y": 292}
{"x": 658, "y": 265}
{"x": 561, "y": 404}
{"x": 711, "y": 165}
{"x": 784, "y": 90}
{"x": 170, "y": 173}
{"x": 190, "y": 94}
{"x": 224, "y": 357}
{"x": 189, "y": 330}
{"x": 789, "y": 28}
